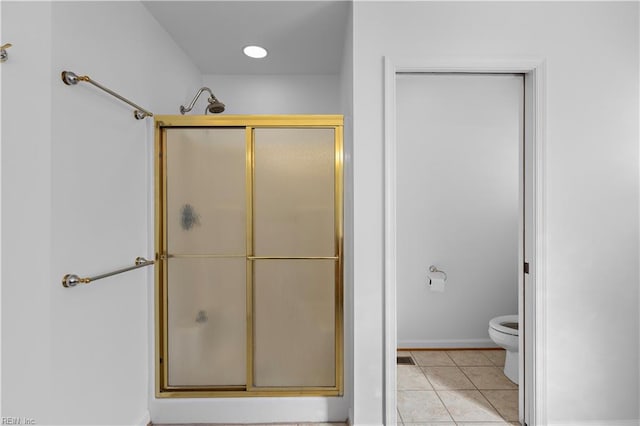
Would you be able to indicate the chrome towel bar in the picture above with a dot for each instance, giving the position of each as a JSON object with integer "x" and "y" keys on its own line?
{"x": 70, "y": 79}
{"x": 71, "y": 280}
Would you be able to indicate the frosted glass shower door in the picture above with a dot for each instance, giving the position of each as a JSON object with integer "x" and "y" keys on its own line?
{"x": 295, "y": 258}
{"x": 206, "y": 266}
{"x": 249, "y": 256}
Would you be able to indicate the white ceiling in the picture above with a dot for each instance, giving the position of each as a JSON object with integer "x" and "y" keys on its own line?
{"x": 302, "y": 37}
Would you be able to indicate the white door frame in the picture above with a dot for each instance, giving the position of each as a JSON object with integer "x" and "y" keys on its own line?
{"x": 535, "y": 131}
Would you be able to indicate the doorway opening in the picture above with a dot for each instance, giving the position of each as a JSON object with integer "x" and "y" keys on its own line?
{"x": 531, "y": 244}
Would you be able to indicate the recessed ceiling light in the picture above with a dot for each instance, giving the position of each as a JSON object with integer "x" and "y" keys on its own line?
{"x": 255, "y": 52}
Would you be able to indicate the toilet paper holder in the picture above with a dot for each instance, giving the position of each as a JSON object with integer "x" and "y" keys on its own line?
{"x": 432, "y": 268}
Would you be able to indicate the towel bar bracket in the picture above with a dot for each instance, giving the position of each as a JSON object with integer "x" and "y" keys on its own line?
{"x": 3, "y": 52}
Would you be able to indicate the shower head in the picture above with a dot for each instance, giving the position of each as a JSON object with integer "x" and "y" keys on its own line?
{"x": 214, "y": 107}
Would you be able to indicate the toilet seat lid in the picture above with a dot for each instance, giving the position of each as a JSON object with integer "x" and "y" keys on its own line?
{"x": 507, "y": 324}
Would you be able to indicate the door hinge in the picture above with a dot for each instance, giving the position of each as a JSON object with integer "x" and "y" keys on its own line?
{"x": 526, "y": 267}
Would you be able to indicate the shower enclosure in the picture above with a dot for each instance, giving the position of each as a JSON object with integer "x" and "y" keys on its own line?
{"x": 249, "y": 251}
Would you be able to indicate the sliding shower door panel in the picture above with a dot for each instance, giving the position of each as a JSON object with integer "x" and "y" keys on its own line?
{"x": 205, "y": 268}
{"x": 206, "y": 204}
{"x": 207, "y": 344}
{"x": 295, "y": 258}
{"x": 294, "y": 323}
{"x": 293, "y": 207}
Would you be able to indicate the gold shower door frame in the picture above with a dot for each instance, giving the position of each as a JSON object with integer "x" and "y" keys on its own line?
{"x": 249, "y": 123}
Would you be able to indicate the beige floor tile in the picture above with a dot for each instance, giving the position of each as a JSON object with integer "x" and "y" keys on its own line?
{"x": 432, "y": 358}
{"x": 432, "y": 424}
{"x": 447, "y": 378}
{"x": 281, "y": 424}
{"x": 468, "y": 405}
{"x": 421, "y": 406}
{"x": 488, "y": 378}
{"x": 467, "y": 358}
{"x": 411, "y": 377}
{"x": 484, "y": 424}
{"x": 496, "y": 357}
{"x": 322, "y": 424}
{"x": 505, "y": 401}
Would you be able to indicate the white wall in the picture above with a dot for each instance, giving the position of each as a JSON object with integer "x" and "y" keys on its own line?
{"x": 591, "y": 51}
{"x": 75, "y": 182}
{"x": 275, "y": 94}
{"x": 457, "y": 186}
{"x": 26, "y": 208}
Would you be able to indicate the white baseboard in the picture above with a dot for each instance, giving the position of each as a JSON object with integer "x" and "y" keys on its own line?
{"x": 453, "y": 343}
{"x": 249, "y": 410}
{"x": 145, "y": 420}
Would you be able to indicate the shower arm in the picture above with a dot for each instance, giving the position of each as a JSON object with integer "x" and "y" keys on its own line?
{"x": 184, "y": 109}
{"x": 70, "y": 78}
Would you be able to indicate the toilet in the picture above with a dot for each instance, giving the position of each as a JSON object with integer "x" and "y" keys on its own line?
{"x": 504, "y": 332}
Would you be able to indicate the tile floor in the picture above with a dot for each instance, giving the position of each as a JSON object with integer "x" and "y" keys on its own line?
{"x": 448, "y": 388}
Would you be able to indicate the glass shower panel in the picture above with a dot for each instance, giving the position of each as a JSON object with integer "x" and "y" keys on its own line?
{"x": 294, "y": 192}
{"x": 206, "y": 321}
{"x": 205, "y": 191}
{"x": 294, "y": 323}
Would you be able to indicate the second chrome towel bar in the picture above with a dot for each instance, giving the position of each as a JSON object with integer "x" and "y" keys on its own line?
{"x": 72, "y": 280}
